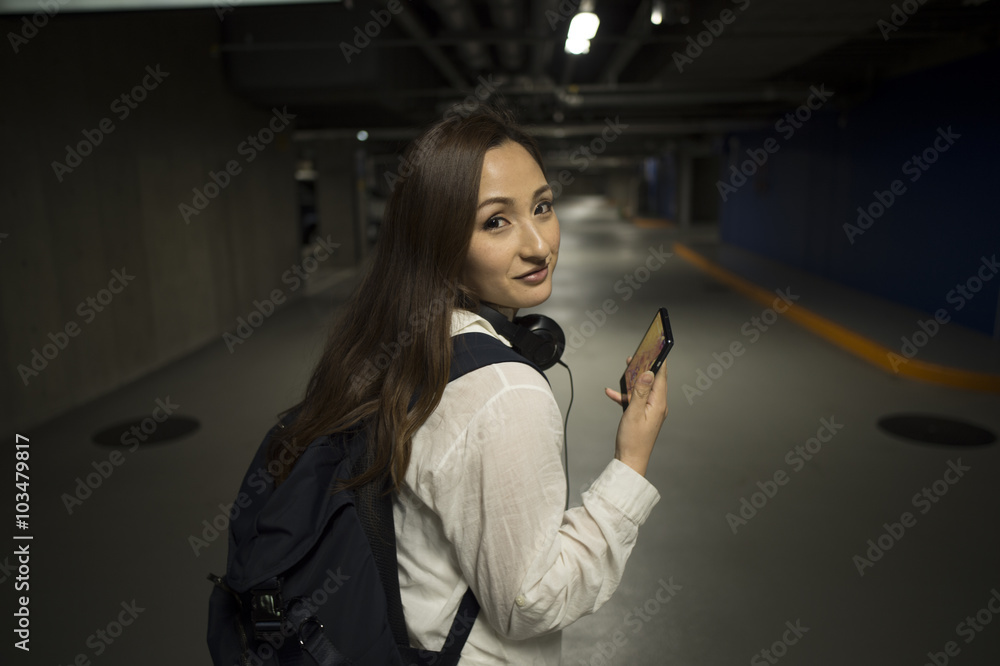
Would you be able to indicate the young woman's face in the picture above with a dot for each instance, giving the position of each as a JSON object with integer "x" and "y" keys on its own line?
{"x": 515, "y": 242}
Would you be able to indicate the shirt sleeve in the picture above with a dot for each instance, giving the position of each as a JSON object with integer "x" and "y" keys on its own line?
{"x": 501, "y": 493}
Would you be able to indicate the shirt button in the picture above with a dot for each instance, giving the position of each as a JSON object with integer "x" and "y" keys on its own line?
{"x": 519, "y": 601}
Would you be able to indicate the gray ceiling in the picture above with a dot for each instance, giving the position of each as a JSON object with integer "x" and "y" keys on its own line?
{"x": 431, "y": 54}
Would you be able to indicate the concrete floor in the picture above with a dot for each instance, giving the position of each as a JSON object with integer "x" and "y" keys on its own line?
{"x": 728, "y": 595}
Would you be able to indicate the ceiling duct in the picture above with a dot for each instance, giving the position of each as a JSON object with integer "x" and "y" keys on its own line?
{"x": 506, "y": 16}
{"x": 457, "y": 17}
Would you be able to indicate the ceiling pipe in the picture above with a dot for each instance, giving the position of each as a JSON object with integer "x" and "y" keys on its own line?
{"x": 638, "y": 29}
{"x": 407, "y": 20}
{"x": 585, "y": 95}
{"x": 555, "y": 131}
{"x": 458, "y": 17}
{"x": 673, "y": 99}
{"x": 541, "y": 55}
{"x": 506, "y": 15}
{"x": 544, "y": 42}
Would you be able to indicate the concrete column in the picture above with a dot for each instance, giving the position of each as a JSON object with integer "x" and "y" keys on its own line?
{"x": 685, "y": 185}
{"x": 337, "y": 201}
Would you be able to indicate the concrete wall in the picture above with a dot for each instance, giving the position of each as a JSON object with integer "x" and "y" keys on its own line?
{"x": 65, "y": 234}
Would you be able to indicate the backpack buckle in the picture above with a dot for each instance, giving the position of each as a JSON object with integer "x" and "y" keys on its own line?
{"x": 265, "y": 610}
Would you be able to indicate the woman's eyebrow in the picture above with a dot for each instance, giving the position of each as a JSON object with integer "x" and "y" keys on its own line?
{"x": 507, "y": 201}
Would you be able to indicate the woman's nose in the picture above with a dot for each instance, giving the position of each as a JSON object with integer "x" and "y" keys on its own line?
{"x": 533, "y": 241}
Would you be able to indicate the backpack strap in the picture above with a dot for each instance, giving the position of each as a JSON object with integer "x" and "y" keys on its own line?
{"x": 313, "y": 642}
{"x": 470, "y": 351}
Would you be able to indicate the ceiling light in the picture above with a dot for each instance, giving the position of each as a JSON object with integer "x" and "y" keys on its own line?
{"x": 582, "y": 29}
{"x": 583, "y": 26}
{"x": 577, "y": 46}
{"x": 656, "y": 18}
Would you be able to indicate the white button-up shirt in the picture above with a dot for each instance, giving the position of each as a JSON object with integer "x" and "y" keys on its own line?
{"x": 483, "y": 506}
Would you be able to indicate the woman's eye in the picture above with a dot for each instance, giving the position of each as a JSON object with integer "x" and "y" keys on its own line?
{"x": 543, "y": 208}
{"x": 494, "y": 222}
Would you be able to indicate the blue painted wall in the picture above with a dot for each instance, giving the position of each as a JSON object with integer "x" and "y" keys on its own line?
{"x": 931, "y": 238}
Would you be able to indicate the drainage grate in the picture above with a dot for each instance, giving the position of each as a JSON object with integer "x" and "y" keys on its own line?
{"x": 146, "y": 431}
{"x": 936, "y": 430}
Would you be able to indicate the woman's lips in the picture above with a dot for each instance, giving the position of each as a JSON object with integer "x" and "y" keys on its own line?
{"x": 536, "y": 276}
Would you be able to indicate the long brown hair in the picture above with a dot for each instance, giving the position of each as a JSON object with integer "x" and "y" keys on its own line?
{"x": 386, "y": 362}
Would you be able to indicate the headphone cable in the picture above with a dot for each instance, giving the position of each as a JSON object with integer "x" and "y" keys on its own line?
{"x": 566, "y": 429}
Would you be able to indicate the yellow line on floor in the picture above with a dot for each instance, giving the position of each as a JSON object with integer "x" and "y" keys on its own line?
{"x": 876, "y": 354}
{"x": 653, "y": 223}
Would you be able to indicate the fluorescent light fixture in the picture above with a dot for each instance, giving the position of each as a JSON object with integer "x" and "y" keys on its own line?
{"x": 577, "y": 46}
{"x": 583, "y": 26}
{"x": 656, "y": 17}
{"x": 582, "y": 29}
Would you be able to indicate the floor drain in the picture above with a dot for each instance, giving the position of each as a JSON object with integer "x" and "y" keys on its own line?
{"x": 936, "y": 430}
{"x": 146, "y": 431}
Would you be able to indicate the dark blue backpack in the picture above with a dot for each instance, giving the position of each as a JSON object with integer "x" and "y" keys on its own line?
{"x": 311, "y": 574}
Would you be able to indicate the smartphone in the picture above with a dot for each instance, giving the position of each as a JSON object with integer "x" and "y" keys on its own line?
{"x": 652, "y": 351}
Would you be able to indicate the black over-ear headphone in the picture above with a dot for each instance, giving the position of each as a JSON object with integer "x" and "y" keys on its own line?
{"x": 535, "y": 337}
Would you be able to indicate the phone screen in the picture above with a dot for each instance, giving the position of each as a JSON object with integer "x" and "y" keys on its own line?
{"x": 651, "y": 352}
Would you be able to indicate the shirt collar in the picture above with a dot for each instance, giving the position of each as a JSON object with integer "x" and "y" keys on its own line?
{"x": 463, "y": 321}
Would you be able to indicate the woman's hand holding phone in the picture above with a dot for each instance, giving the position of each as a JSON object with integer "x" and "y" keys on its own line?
{"x": 642, "y": 420}
{"x": 644, "y": 394}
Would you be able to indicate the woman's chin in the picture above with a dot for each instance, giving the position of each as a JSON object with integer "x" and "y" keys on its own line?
{"x": 516, "y": 301}
{"x": 535, "y": 299}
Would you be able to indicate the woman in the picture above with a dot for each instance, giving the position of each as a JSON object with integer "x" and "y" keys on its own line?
{"x": 475, "y": 463}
